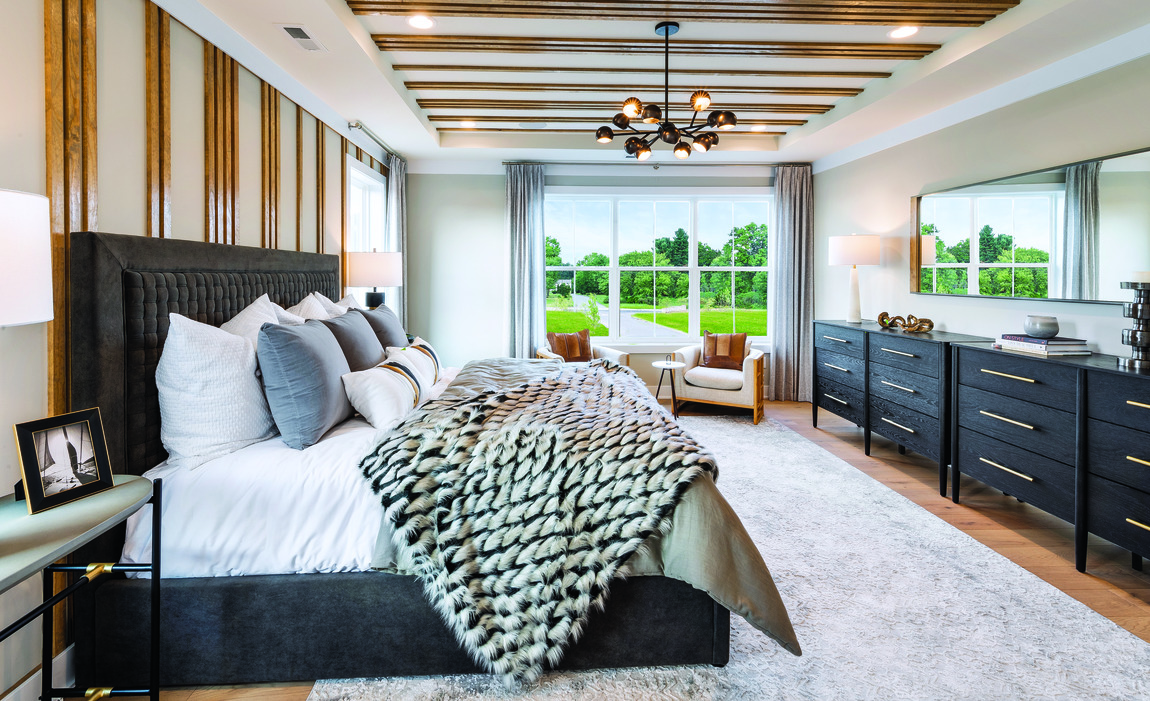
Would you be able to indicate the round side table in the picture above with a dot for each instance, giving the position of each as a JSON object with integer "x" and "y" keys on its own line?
{"x": 665, "y": 366}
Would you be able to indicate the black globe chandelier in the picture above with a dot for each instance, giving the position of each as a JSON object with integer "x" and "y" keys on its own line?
{"x": 638, "y": 143}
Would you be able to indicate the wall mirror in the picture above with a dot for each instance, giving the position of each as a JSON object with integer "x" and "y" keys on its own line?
{"x": 1068, "y": 233}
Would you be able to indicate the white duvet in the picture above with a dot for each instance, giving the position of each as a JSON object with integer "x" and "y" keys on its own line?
{"x": 266, "y": 509}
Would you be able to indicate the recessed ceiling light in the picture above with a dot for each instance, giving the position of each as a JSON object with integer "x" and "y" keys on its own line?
{"x": 759, "y": 127}
{"x": 902, "y": 32}
{"x": 421, "y": 21}
{"x": 467, "y": 124}
{"x": 533, "y": 125}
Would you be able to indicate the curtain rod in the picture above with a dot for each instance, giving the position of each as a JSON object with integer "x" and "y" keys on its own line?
{"x": 374, "y": 137}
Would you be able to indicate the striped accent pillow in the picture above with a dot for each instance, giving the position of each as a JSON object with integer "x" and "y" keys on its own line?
{"x": 384, "y": 394}
{"x": 574, "y": 347}
{"x": 724, "y": 350}
{"x": 420, "y": 358}
{"x": 424, "y": 347}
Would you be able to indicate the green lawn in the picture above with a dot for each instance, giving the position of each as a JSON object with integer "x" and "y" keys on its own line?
{"x": 570, "y": 322}
{"x": 751, "y": 321}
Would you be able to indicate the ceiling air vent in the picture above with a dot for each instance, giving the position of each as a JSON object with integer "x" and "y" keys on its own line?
{"x": 301, "y": 37}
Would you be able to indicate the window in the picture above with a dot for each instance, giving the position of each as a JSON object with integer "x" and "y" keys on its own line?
{"x": 367, "y": 220}
{"x": 995, "y": 244}
{"x": 656, "y": 267}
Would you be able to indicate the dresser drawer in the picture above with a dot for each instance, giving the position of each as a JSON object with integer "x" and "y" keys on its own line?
{"x": 1030, "y": 426}
{"x": 1119, "y": 399}
{"x": 900, "y": 351}
{"x": 1118, "y": 453}
{"x": 907, "y": 427}
{"x": 1033, "y": 380}
{"x": 909, "y": 389}
{"x": 844, "y": 401}
{"x": 843, "y": 369}
{"x": 1118, "y": 513}
{"x": 840, "y": 340}
{"x": 1040, "y": 481}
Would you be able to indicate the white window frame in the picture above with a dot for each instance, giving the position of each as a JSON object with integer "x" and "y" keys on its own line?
{"x": 379, "y": 238}
{"x": 666, "y": 194}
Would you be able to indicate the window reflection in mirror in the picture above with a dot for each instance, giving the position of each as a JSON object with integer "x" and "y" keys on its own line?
{"x": 1068, "y": 233}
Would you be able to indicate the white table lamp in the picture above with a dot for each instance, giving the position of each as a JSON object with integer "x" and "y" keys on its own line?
{"x": 854, "y": 250}
{"x": 374, "y": 270}
{"x": 26, "y": 262}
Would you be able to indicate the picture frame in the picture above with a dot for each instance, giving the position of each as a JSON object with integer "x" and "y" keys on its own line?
{"x": 62, "y": 458}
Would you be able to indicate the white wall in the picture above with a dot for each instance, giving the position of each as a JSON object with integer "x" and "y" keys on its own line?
{"x": 458, "y": 265}
{"x": 1124, "y": 230}
{"x": 1098, "y": 116}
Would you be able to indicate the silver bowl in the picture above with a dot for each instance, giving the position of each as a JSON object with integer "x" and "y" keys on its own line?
{"x": 1041, "y": 326}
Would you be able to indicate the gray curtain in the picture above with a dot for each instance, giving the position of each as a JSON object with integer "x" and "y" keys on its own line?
{"x": 1078, "y": 248}
{"x": 525, "y": 227}
{"x": 397, "y": 219}
{"x": 792, "y": 306}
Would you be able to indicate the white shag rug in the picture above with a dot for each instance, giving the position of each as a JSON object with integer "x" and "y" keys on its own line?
{"x": 888, "y": 601}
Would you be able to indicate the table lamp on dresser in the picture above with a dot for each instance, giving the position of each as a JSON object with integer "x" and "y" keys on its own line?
{"x": 26, "y": 261}
{"x": 374, "y": 270}
{"x": 854, "y": 250}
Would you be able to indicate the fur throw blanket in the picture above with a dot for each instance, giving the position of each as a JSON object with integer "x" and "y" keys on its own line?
{"x": 516, "y": 507}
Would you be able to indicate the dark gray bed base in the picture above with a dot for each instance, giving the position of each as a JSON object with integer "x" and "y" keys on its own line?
{"x": 231, "y": 630}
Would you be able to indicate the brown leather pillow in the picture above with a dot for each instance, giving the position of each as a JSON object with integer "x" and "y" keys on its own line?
{"x": 574, "y": 347}
{"x": 724, "y": 350}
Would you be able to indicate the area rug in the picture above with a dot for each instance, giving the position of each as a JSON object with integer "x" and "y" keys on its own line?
{"x": 889, "y": 602}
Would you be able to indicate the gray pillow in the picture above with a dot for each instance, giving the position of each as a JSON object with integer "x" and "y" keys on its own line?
{"x": 302, "y": 366}
{"x": 385, "y": 324}
{"x": 360, "y": 345}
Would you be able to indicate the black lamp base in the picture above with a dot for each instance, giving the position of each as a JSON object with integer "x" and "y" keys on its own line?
{"x": 373, "y": 299}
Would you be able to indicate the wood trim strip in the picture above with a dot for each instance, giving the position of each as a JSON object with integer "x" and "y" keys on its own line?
{"x": 953, "y": 13}
{"x": 630, "y": 89}
{"x": 270, "y": 108}
{"x": 233, "y": 172}
{"x": 298, "y": 177}
{"x": 211, "y": 137}
{"x": 860, "y": 75}
{"x": 321, "y": 185}
{"x": 589, "y": 120}
{"x": 915, "y": 244}
{"x": 157, "y": 71}
{"x": 90, "y": 141}
{"x": 343, "y": 213}
{"x": 54, "y": 154}
{"x": 221, "y": 140}
{"x": 604, "y": 106}
{"x": 646, "y": 46}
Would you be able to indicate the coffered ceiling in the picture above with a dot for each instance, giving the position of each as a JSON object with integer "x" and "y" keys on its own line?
{"x": 508, "y": 79}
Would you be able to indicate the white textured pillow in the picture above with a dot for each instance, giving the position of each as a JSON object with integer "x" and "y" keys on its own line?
{"x": 286, "y": 317}
{"x": 309, "y": 308}
{"x": 249, "y": 321}
{"x": 419, "y": 356}
{"x": 383, "y": 394}
{"x": 211, "y": 402}
{"x": 348, "y": 302}
{"x": 329, "y": 306}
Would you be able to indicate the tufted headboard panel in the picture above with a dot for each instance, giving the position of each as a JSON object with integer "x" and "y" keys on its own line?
{"x": 122, "y": 289}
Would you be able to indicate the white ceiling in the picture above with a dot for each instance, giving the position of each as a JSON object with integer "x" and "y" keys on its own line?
{"x": 356, "y": 80}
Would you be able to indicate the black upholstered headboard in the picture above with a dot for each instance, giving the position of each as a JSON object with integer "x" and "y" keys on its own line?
{"x": 122, "y": 290}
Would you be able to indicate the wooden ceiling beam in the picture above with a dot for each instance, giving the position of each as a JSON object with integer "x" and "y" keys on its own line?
{"x": 591, "y": 119}
{"x": 608, "y": 108}
{"x": 946, "y": 13}
{"x": 680, "y": 47}
{"x": 630, "y": 89}
{"x": 589, "y": 133}
{"x": 862, "y": 75}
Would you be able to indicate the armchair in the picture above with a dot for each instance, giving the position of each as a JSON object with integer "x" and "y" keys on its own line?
{"x": 620, "y": 357}
{"x": 738, "y": 388}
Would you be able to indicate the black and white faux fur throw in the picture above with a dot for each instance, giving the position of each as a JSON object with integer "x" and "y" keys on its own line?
{"x": 516, "y": 507}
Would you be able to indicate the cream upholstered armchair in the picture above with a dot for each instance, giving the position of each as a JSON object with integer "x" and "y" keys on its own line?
{"x": 738, "y": 388}
{"x": 620, "y": 357}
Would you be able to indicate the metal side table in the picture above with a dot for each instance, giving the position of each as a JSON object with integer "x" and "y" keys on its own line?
{"x": 665, "y": 366}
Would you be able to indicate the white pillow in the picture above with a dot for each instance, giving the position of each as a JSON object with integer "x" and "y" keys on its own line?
{"x": 383, "y": 394}
{"x": 419, "y": 356}
{"x": 286, "y": 317}
{"x": 309, "y": 308}
{"x": 329, "y": 306}
{"x": 211, "y": 402}
{"x": 249, "y": 321}
{"x": 348, "y": 302}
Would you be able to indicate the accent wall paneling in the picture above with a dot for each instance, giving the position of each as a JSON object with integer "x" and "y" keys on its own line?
{"x": 187, "y": 156}
{"x": 221, "y": 144}
{"x": 287, "y": 211}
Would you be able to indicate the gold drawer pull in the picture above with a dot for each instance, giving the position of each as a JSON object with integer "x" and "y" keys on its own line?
{"x": 908, "y": 430}
{"x": 1012, "y": 377}
{"x": 835, "y": 399}
{"x": 839, "y": 340}
{"x": 1003, "y": 418}
{"x": 1131, "y": 402}
{"x": 1028, "y": 478}
{"x": 836, "y": 367}
{"x": 909, "y": 355}
{"x": 904, "y": 389}
{"x": 1140, "y": 525}
{"x": 1131, "y": 458}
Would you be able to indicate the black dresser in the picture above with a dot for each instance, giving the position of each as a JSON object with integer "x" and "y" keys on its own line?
{"x": 890, "y": 382}
{"x": 1068, "y": 435}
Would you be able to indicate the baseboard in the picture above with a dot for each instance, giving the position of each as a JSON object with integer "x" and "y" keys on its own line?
{"x": 63, "y": 676}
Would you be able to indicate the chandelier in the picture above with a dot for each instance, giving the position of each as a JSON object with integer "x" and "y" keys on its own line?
{"x": 639, "y": 143}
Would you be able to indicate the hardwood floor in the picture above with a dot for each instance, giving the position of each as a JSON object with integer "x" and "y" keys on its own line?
{"x": 1029, "y": 537}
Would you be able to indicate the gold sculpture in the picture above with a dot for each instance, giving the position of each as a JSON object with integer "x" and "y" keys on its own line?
{"x": 911, "y": 324}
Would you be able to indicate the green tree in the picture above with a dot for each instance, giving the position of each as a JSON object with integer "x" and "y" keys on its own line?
{"x": 992, "y": 246}
{"x": 563, "y": 290}
{"x": 675, "y": 250}
{"x": 707, "y": 256}
{"x": 590, "y": 282}
{"x": 553, "y": 256}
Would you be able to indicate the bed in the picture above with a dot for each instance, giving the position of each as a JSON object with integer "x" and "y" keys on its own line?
{"x": 281, "y": 627}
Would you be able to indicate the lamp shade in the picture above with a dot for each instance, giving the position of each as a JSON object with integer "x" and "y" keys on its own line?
{"x": 854, "y": 250}
{"x": 927, "y": 250}
{"x": 26, "y": 262}
{"x": 374, "y": 269}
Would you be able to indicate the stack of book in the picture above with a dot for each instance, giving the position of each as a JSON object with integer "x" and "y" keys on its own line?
{"x": 1057, "y": 346}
